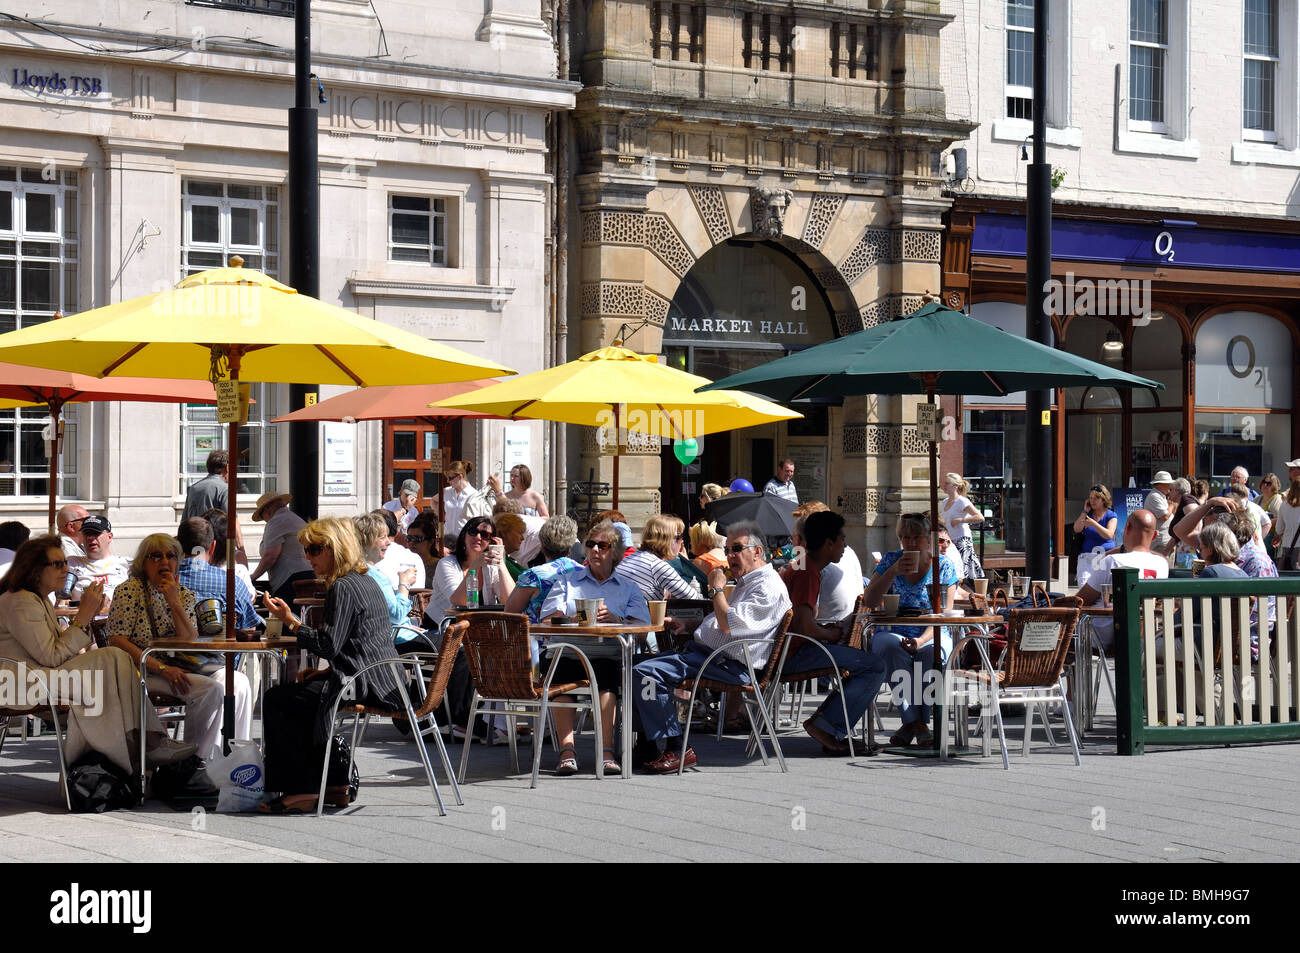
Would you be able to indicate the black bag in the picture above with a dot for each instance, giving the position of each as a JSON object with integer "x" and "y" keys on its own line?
{"x": 338, "y": 775}
{"x": 185, "y": 785}
{"x": 96, "y": 785}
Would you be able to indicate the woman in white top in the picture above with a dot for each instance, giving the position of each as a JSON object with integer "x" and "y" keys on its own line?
{"x": 452, "y": 572}
{"x": 521, "y": 489}
{"x": 456, "y": 495}
{"x": 958, "y": 513}
{"x": 1287, "y": 528}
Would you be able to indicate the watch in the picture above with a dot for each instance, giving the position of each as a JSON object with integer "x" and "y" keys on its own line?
{"x": 714, "y": 590}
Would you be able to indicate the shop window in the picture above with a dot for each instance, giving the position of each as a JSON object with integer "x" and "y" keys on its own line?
{"x": 417, "y": 229}
{"x": 280, "y": 8}
{"x": 1243, "y": 361}
{"x": 221, "y": 220}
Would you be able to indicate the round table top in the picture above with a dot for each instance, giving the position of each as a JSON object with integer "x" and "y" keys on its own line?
{"x": 185, "y": 645}
{"x": 600, "y": 629}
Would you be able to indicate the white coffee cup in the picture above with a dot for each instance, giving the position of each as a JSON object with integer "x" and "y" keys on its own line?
{"x": 891, "y": 603}
{"x": 589, "y": 609}
{"x": 981, "y": 586}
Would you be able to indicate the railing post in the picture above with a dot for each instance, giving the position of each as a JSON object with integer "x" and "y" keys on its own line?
{"x": 1128, "y": 661}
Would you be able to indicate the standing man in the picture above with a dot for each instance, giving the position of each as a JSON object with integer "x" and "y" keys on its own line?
{"x": 1240, "y": 477}
{"x": 68, "y": 520}
{"x": 210, "y": 492}
{"x": 282, "y": 554}
{"x": 1162, "y": 501}
{"x": 782, "y": 484}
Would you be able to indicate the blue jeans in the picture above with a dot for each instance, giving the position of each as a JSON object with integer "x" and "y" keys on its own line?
{"x": 654, "y": 680}
{"x": 866, "y": 673}
{"x": 907, "y": 674}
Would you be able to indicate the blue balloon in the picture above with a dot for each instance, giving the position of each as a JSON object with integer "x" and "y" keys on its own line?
{"x": 741, "y": 485}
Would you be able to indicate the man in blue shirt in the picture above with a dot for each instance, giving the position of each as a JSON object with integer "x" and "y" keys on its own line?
{"x": 206, "y": 581}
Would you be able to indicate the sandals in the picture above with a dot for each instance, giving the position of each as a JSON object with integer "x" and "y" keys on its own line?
{"x": 610, "y": 764}
{"x": 568, "y": 766}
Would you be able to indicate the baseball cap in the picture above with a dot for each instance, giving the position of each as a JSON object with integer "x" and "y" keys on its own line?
{"x": 94, "y": 525}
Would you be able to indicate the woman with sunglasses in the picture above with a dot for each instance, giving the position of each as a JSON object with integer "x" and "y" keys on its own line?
{"x": 473, "y": 551}
{"x": 354, "y": 632}
{"x": 1270, "y": 501}
{"x": 152, "y": 605}
{"x": 106, "y": 720}
{"x": 1098, "y": 522}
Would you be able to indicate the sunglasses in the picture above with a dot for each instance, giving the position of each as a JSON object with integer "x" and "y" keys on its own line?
{"x": 315, "y": 549}
{"x": 944, "y": 542}
{"x": 737, "y": 547}
{"x": 482, "y": 533}
{"x": 58, "y": 563}
{"x": 598, "y": 544}
{"x": 159, "y": 557}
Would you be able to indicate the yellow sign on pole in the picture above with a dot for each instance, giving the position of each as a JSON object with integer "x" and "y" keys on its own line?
{"x": 310, "y": 398}
{"x": 1047, "y": 418}
{"x": 232, "y": 401}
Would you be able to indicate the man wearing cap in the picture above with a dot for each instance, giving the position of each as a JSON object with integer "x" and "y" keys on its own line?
{"x": 1292, "y": 471}
{"x": 1163, "y": 502}
{"x": 98, "y": 564}
{"x": 68, "y": 522}
{"x": 282, "y": 555}
{"x": 407, "y": 505}
{"x": 210, "y": 492}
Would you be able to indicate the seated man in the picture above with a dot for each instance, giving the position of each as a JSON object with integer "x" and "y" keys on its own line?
{"x": 68, "y": 521}
{"x": 823, "y": 539}
{"x": 1136, "y": 553}
{"x": 98, "y": 564}
{"x": 757, "y": 606}
{"x": 205, "y": 580}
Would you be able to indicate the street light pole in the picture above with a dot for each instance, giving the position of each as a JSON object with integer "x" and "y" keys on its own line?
{"x": 304, "y": 253}
{"x": 1038, "y": 321}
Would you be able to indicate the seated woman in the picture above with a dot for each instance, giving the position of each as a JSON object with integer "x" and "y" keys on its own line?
{"x": 706, "y": 547}
{"x": 354, "y": 632}
{"x": 648, "y": 567}
{"x": 906, "y": 645}
{"x": 680, "y": 560}
{"x": 152, "y": 605}
{"x": 513, "y": 530}
{"x": 557, "y": 537}
{"x": 372, "y": 533}
{"x": 108, "y": 722}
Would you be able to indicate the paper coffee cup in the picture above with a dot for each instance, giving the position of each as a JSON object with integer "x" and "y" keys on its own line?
{"x": 981, "y": 587}
{"x": 911, "y": 560}
{"x": 891, "y": 603}
{"x": 499, "y": 550}
{"x": 658, "y": 608}
{"x": 589, "y": 609}
{"x": 274, "y": 628}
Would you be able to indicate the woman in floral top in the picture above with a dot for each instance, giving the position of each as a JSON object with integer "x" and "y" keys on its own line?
{"x": 152, "y": 605}
{"x": 905, "y": 645}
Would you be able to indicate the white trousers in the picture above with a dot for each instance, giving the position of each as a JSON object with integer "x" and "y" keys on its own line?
{"x": 204, "y": 703}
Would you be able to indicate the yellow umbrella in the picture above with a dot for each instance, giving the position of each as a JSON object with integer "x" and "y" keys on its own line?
{"x": 238, "y": 324}
{"x": 617, "y": 386}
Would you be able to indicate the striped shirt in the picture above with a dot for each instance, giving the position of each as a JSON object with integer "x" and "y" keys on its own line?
{"x": 653, "y": 576}
{"x": 785, "y": 491}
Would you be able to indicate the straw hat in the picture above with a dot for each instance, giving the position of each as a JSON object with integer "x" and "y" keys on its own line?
{"x": 265, "y": 500}
{"x": 1161, "y": 477}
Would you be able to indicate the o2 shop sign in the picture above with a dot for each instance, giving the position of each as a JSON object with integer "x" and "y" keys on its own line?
{"x": 58, "y": 83}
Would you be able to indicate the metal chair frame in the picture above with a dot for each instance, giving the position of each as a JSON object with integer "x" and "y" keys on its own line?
{"x": 38, "y": 710}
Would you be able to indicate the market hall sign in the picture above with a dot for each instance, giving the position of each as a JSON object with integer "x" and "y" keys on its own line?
{"x": 58, "y": 83}
{"x": 735, "y": 329}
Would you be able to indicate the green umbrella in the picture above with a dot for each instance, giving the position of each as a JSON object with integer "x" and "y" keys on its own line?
{"x": 934, "y": 350}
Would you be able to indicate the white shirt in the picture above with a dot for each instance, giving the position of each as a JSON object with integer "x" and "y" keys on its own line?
{"x": 446, "y": 580}
{"x": 6, "y": 560}
{"x": 532, "y": 544}
{"x": 396, "y": 558}
{"x": 1149, "y": 566}
{"x": 453, "y": 506}
{"x": 71, "y": 547}
{"x": 841, "y": 586}
{"x": 755, "y": 610}
{"x": 952, "y": 509}
{"x": 404, "y": 516}
{"x": 1158, "y": 504}
{"x": 112, "y": 571}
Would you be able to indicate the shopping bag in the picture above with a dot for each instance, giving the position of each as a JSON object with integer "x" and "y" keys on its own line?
{"x": 239, "y": 777}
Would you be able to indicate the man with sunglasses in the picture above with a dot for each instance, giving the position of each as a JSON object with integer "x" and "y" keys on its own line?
{"x": 68, "y": 521}
{"x": 754, "y": 610}
{"x": 99, "y": 564}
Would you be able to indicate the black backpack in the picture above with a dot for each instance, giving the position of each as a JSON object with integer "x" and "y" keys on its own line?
{"x": 96, "y": 785}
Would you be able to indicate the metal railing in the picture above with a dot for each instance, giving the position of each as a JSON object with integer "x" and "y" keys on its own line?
{"x": 277, "y": 8}
{"x": 1192, "y": 668}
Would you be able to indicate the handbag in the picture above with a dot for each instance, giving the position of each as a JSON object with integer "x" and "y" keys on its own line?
{"x": 96, "y": 785}
{"x": 338, "y": 774}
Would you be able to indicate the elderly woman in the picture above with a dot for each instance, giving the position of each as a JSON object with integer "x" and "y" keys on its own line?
{"x": 558, "y": 536}
{"x": 354, "y": 632}
{"x": 512, "y": 529}
{"x": 521, "y": 489}
{"x": 706, "y": 547}
{"x": 622, "y": 601}
{"x": 648, "y": 568}
{"x": 679, "y": 559}
{"x": 909, "y": 577}
{"x": 152, "y": 605}
{"x": 372, "y": 534}
{"x": 107, "y": 720}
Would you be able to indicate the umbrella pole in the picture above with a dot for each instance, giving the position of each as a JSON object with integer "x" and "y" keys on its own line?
{"x": 935, "y": 574}
{"x": 232, "y": 495}
{"x": 56, "y": 411}
{"x": 617, "y": 441}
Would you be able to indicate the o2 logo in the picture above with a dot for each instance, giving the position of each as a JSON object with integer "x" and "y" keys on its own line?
{"x": 1164, "y": 246}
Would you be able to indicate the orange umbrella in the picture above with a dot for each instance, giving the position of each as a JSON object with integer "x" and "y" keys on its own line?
{"x": 391, "y": 403}
{"x": 32, "y": 386}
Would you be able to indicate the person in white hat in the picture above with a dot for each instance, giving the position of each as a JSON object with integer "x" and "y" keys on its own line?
{"x": 1163, "y": 502}
{"x": 282, "y": 554}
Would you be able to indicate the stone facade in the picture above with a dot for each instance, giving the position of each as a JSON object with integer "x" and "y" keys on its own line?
{"x": 814, "y": 130}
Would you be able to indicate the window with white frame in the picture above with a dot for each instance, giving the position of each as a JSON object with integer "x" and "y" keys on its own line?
{"x": 1020, "y": 59}
{"x": 38, "y": 278}
{"x": 222, "y": 220}
{"x": 1259, "y": 70}
{"x": 417, "y": 229}
{"x": 1148, "y": 64}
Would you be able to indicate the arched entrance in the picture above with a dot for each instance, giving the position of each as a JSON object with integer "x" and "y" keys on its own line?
{"x": 744, "y": 303}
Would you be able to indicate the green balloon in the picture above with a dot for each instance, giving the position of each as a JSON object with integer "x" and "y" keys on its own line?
{"x": 686, "y": 450}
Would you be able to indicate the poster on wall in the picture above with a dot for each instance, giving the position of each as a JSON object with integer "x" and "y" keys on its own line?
{"x": 809, "y": 472}
{"x": 339, "y": 460}
{"x": 517, "y": 450}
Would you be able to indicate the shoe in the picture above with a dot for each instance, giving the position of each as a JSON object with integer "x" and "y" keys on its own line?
{"x": 610, "y": 764}
{"x": 924, "y": 737}
{"x": 403, "y": 726}
{"x": 278, "y": 807}
{"x": 903, "y": 736}
{"x": 338, "y": 796}
{"x": 168, "y": 751}
{"x": 670, "y": 762}
{"x": 568, "y": 765}
{"x": 830, "y": 744}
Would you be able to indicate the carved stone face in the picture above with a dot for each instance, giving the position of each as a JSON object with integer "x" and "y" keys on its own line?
{"x": 768, "y": 208}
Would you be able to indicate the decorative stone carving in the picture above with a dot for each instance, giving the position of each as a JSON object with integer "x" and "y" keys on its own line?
{"x": 767, "y": 208}
{"x": 713, "y": 210}
{"x": 912, "y": 444}
{"x": 847, "y": 322}
{"x": 919, "y": 245}
{"x": 872, "y": 247}
{"x": 861, "y": 502}
{"x": 622, "y": 299}
{"x": 656, "y": 308}
{"x": 820, "y": 215}
{"x": 589, "y": 298}
{"x": 666, "y": 245}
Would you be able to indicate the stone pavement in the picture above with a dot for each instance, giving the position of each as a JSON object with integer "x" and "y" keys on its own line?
{"x": 1211, "y": 804}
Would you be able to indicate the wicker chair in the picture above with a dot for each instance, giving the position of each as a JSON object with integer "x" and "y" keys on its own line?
{"x": 497, "y": 647}
{"x": 54, "y": 711}
{"x": 1030, "y": 672}
{"x": 753, "y": 695}
{"x": 434, "y": 691}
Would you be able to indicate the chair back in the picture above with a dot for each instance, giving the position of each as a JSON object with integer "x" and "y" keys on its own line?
{"x": 1038, "y": 641}
{"x": 309, "y": 589}
{"x": 860, "y": 620}
{"x": 500, "y": 660}
{"x": 778, "y": 647}
{"x": 441, "y": 675}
